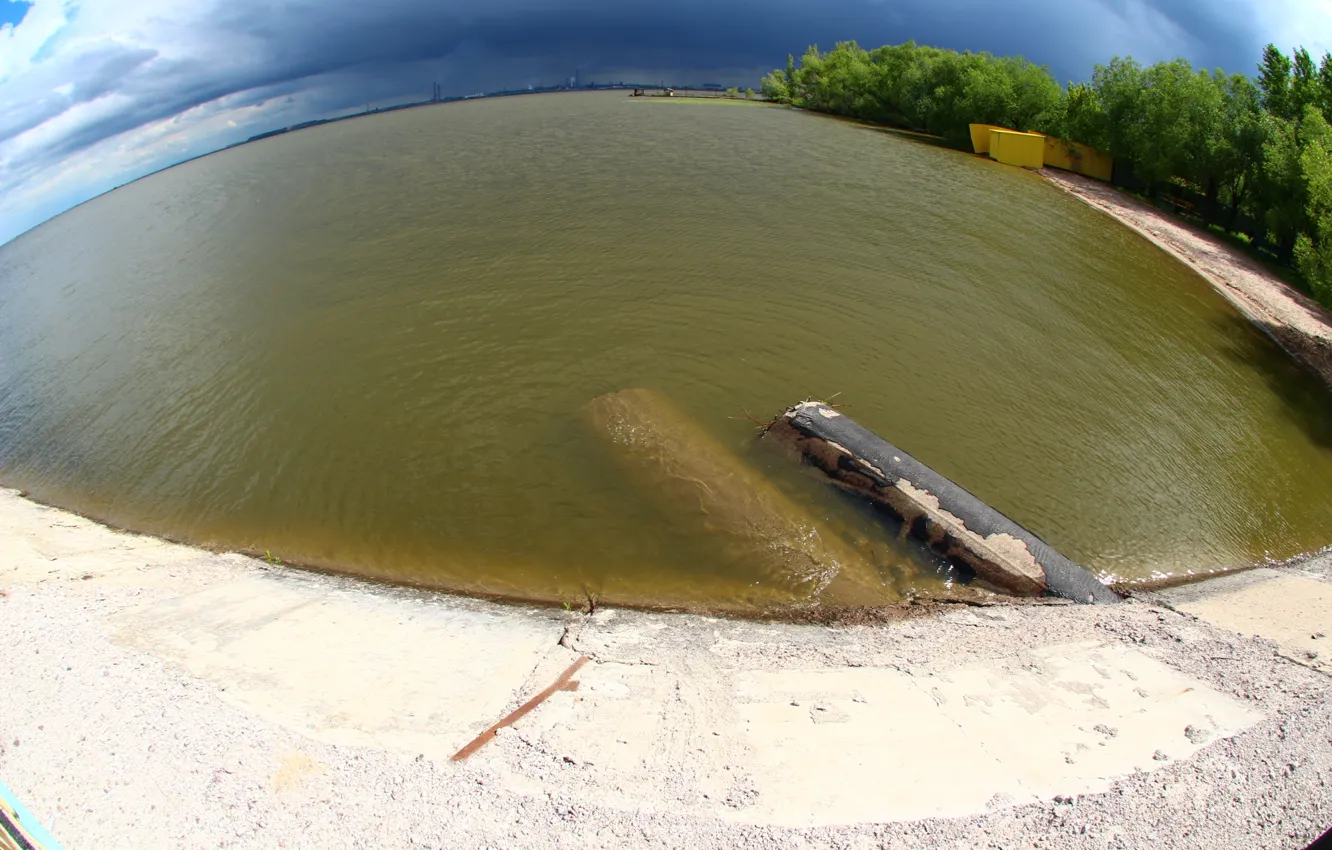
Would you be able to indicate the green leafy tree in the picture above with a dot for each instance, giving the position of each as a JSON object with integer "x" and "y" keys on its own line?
{"x": 1084, "y": 119}
{"x": 1180, "y": 115}
{"x": 1313, "y": 245}
{"x": 1304, "y": 83}
{"x": 1325, "y": 86}
{"x": 889, "y": 66}
{"x": 1008, "y": 92}
{"x": 1121, "y": 86}
{"x": 1274, "y": 80}
{"x": 776, "y": 88}
{"x": 1040, "y": 98}
{"x": 1236, "y": 154}
{"x": 922, "y": 88}
{"x": 843, "y": 82}
{"x": 1282, "y": 196}
{"x": 988, "y": 97}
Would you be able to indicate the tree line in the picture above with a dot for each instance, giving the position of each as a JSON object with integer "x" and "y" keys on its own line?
{"x": 1255, "y": 153}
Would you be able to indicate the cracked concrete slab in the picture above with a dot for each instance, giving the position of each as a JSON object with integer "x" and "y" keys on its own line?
{"x": 1068, "y": 719}
{"x": 1292, "y": 608}
{"x": 839, "y": 745}
{"x": 403, "y": 670}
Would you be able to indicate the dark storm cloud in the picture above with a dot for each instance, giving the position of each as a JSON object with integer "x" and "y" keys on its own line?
{"x": 101, "y": 71}
{"x": 85, "y": 86}
{"x": 686, "y": 33}
{"x": 300, "y": 40}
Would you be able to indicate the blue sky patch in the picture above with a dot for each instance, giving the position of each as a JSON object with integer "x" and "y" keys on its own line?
{"x": 12, "y": 11}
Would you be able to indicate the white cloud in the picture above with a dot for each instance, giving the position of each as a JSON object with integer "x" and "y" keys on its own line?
{"x": 1298, "y": 23}
{"x": 20, "y": 45}
{"x": 94, "y": 94}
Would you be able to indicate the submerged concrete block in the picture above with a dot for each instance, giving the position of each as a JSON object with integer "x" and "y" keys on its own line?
{"x": 700, "y": 483}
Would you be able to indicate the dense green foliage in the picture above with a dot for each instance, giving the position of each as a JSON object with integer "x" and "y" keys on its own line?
{"x": 1253, "y": 155}
{"x": 923, "y": 88}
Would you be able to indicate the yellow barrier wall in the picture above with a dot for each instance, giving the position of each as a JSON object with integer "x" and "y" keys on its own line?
{"x": 1081, "y": 159}
{"x": 1013, "y": 148}
{"x": 980, "y": 136}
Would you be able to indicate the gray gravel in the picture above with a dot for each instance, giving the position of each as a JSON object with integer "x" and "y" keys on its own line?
{"x": 120, "y": 750}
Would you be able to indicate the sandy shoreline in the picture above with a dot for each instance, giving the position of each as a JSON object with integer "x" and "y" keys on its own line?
{"x": 160, "y": 696}
{"x": 1294, "y": 320}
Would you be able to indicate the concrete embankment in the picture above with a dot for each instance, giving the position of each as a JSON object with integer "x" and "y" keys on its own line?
{"x": 162, "y": 696}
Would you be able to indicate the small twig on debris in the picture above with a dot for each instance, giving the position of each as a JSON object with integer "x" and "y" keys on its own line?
{"x": 763, "y": 426}
{"x": 592, "y": 601}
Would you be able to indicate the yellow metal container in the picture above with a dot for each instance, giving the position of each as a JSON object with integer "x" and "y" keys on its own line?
{"x": 980, "y": 136}
{"x": 1071, "y": 156}
{"x": 1013, "y": 148}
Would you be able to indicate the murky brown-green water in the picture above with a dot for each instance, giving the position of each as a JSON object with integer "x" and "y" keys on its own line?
{"x": 367, "y": 345}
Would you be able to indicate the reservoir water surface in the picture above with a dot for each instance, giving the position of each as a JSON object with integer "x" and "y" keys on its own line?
{"x": 369, "y": 345}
